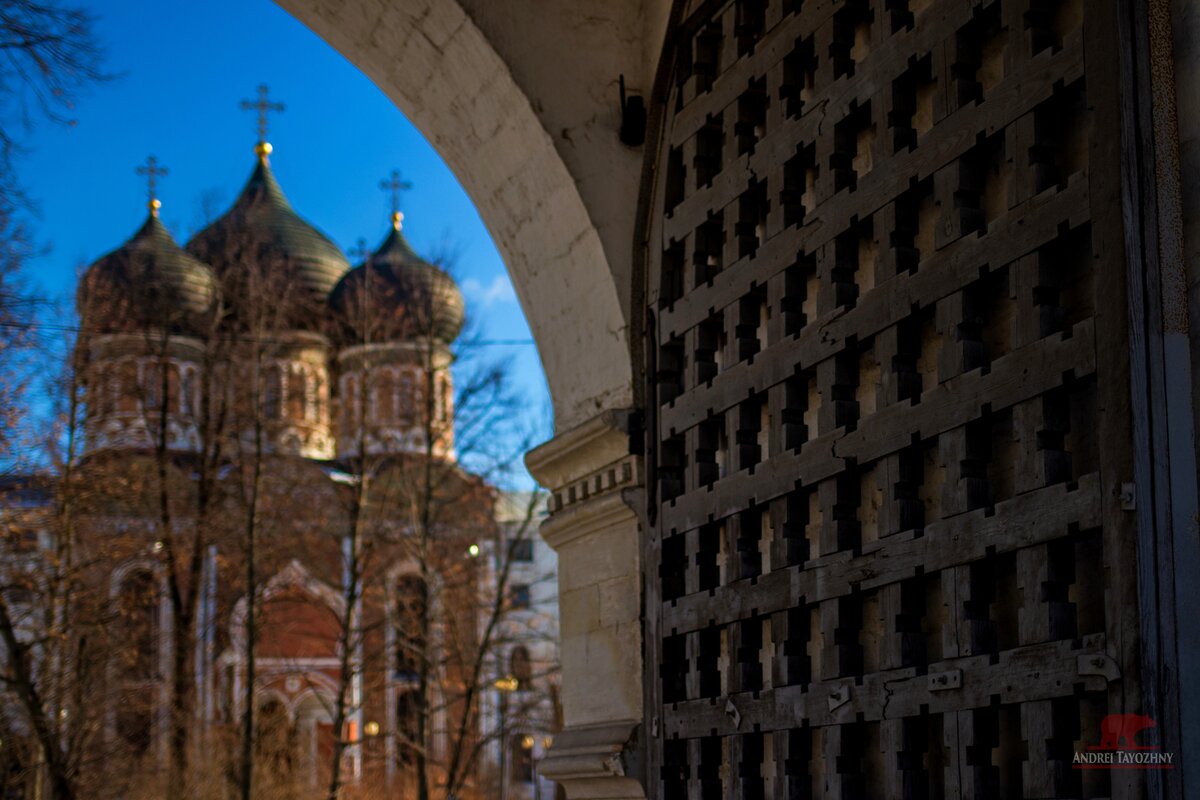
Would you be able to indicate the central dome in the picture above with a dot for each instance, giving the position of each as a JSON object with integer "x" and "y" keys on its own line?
{"x": 262, "y": 225}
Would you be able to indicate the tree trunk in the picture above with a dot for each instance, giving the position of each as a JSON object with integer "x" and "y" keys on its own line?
{"x": 62, "y": 786}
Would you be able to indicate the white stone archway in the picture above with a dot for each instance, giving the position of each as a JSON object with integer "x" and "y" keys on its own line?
{"x": 522, "y": 101}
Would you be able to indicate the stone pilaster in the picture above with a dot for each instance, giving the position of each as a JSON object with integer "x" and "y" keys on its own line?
{"x": 590, "y": 473}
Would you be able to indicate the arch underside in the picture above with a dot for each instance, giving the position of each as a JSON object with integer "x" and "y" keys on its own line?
{"x": 443, "y": 72}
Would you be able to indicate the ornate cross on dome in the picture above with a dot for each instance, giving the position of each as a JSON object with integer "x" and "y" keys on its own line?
{"x": 360, "y": 251}
{"x": 263, "y": 106}
{"x": 153, "y": 172}
{"x": 395, "y": 186}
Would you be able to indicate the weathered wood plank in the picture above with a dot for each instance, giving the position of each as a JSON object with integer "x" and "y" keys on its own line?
{"x": 1024, "y": 674}
{"x": 1024, "y": 521}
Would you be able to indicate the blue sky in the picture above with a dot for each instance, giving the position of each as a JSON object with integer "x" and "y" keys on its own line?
{"x": 181, "y": 70}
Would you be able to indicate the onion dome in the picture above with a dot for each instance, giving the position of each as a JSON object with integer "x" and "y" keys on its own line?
{"x": 262, "y": 228}
{"x": 396, "y": 294}
{"x": 148, "y": 282}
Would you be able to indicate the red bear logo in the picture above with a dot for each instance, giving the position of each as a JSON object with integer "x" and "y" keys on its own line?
{"x": 1119, "y": 731}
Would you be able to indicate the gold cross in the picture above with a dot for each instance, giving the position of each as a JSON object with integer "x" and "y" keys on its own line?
{"x": 395, "y": 186}
{"x": 263, "y": 106}
{"x": 153, "y": 172}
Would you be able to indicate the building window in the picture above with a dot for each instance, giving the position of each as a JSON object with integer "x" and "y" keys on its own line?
{"x": 139, "y": 623}
{"x": 411, "y": 601}
{"x": 100, "y": 396}
{"x": 521, "y": 668}
{"x": 127, "y": 387}
{"x": 522, "y": 550}
{"x": 407, "y": 396}
{"x": 173, "y": 402}
{"x": 519, "y": 595}
{"x": 521, "y": 746}
{"x": 152, "y": 378}
{"x": 188, "y": 393}
{"x": 407, "y": 712}
{"x": 273, "y": 393}
{"x": 385, "y": 398}
{"x": 297, "y": 393}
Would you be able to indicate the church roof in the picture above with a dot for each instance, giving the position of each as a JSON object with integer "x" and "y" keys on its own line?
{"x": 149, "y": 281}
{"x": 396, "y": 294}
{"x": 262, "y": 218}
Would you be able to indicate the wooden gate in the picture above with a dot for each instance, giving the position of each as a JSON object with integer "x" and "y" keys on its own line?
{"x": 888, "y": 360}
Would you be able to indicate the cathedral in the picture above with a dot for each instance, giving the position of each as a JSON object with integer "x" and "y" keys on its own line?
{"x": 271, "y": 520}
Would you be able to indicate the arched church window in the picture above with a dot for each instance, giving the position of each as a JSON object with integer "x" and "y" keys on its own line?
{"x": 407, "y": 395}
{"x": 138, "y": 606}
{"x": 127, "y": 387}
{"x": 407, "y": 727}
{"x": 297, "y": 393}
{"x": 418, "y": 395}
{"x": 152, "y": 388}
{"x": 412, "y": 599}
{"x": 521, "y": 668}
{"x": 384, "y": 397}
{"x": 187, "y": 392}
{"x": 273, "y": 392}
{"x": 173, "y": 389}
{"x": 100, "y": 397}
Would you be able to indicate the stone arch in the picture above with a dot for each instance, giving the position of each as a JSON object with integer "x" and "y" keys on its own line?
{"x": 434, "y": 61}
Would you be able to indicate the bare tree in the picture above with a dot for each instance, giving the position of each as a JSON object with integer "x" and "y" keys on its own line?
{"x": 422, "y": 508}
{"x": 266, "y": 311}
{"x": 48, "y": 57}
{"x": 58, "y": 629}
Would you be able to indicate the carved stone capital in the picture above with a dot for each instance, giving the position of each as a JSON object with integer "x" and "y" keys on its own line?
{"x": 592, "y": 762}
{"x": 586, "y": 461}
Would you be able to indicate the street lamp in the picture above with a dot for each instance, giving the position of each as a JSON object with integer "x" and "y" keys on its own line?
{"x": 504, "y": 686}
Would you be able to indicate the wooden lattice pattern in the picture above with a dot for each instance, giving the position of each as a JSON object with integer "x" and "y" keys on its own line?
{"x": 887, "y": 555}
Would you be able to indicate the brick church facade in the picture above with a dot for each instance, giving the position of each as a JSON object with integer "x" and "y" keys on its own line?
{"x": 254, "y": 396}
